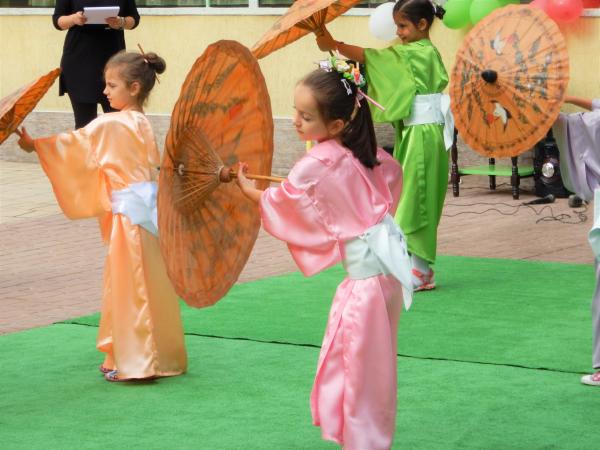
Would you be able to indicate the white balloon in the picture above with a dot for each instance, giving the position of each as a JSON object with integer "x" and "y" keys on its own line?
{"x": 381, "y": 22}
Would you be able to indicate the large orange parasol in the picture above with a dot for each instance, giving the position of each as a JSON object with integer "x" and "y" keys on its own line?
{"x": 15, "y": 107}
{"x": 207, "y": 228}
{"x": 509, "y": 81}
{"x": 303, "y": 17}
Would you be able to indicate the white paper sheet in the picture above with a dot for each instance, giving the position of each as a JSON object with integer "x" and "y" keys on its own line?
{"x": 99, "y": 14}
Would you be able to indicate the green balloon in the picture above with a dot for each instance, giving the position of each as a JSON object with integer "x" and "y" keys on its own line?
{"x": 457, "y": 13}
{"x": 481, "y": 8}
{"x": 510, "y": 2}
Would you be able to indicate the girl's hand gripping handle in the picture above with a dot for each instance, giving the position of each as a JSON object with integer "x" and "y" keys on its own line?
{"x": 326, "y": 42}
{"x": 247, "y": 186}
{"x": 25, "y": 141}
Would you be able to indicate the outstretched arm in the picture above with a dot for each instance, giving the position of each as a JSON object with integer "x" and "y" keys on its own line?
{"x": 353, "y": 52}
{"x": 579, "y": 101}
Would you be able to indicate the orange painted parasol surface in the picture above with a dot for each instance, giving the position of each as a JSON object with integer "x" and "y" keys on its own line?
{"x": 303, "y": 17}
{"x": 207, "y": 228}
{"x": 509, "y": 81}
{"x": 15, "y": 107}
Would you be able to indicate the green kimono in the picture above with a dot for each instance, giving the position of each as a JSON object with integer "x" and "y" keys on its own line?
{"x": 394, "y": 76}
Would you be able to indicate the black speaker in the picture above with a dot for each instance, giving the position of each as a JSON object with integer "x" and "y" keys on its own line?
{"x": 546, "y": 169}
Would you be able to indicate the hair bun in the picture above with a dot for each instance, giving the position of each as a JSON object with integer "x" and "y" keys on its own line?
{"x": 438, "y": 11}
{"x": 155, "y": 62}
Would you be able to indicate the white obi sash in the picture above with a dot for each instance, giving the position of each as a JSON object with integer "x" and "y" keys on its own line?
{"x": 138, "y": 203}
{"x": 433, "y": 108}
{"x": 594, "y": 235}
{"x": 380, "y": 250}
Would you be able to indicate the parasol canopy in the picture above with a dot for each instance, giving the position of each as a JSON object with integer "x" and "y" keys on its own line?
{"x": 15, "y": 107}
{"x": 207, "y": 228}
{"x": 303, "y": 17}
{"x": 509, "y": 81}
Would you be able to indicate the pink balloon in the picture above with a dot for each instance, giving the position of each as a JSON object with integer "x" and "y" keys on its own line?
{"x": 541, "y": 4}
{"x": 564, "y": 10}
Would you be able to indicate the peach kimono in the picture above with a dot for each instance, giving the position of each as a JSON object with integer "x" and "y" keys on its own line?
{"x": 108, "y": 170}
{"x": 331, "y": 209}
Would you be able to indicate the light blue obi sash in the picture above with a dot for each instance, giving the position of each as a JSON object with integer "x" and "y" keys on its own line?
{"x": 433, "y": 108}
{"x": 138, "y": 203}
{"x": 381, "y": 249}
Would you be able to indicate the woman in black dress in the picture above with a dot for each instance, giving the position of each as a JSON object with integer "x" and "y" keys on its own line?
{"x": 87, "y": 49}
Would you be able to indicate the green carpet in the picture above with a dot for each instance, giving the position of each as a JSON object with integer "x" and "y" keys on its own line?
{"x": 53, "y": 396}
{"x": 251, "y": 395}
{"x": 497, "y": 311}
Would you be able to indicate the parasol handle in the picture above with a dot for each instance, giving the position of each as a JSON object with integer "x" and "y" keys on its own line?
{"x": 319, "y": 31}
{"x": 226, "y": 174}
{"x": 259, "y": 177}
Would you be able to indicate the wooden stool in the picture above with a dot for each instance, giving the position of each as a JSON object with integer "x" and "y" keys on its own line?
{"x": 491, "y": 170}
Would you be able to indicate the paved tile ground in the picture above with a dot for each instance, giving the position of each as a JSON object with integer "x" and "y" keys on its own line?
{"x": 51, "y": 268}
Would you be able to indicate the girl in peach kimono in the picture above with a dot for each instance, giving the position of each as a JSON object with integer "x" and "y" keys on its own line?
{"x": 337, "y": 204}
{"x": 108, "y": 170}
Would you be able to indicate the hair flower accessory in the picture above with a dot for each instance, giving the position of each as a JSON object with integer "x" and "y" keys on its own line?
{"x": 350, "y": 73}
{"x": 340, "y": 65}
{"x": 358, "y": 78}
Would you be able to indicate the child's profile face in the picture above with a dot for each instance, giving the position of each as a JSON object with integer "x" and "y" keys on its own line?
{"x": 308, "y": 121}
{"x": 408, "y": 31}
{"x": 119, "y": 95}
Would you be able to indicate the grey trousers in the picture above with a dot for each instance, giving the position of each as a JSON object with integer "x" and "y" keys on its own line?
{"x": 596, "y": 321}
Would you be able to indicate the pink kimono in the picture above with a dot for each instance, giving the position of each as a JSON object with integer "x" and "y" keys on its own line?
{"x": 108, "y": 170}
{"x": 329, "y": 203}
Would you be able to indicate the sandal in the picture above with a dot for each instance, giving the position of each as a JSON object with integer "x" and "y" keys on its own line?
{"x": 591, "y": 380}
{"x": 426, "y": 282}
{"x": 104, "y": 370}
{"x": 113, "y": 376}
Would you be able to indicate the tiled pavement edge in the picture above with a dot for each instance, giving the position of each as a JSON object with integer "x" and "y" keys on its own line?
{"x": 51, "y": 267}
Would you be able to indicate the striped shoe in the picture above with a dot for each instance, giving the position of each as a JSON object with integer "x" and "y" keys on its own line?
{"x": 422, "y": 281}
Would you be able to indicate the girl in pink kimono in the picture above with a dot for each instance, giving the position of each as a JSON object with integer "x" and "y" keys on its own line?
{"x": 337, "y": 205}
{"x": 108, "y": 170}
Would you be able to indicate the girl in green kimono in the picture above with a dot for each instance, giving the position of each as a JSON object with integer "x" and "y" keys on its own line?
{"x": 407, "y": 79}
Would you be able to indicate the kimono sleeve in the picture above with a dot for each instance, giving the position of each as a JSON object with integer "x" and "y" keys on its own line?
{"x": 392, "y": 173}
{"x": 70, "y": 163}
{"x": 578, "y": 139}
{"x": 290, "y": 214}
{"x": 390, "y": 82}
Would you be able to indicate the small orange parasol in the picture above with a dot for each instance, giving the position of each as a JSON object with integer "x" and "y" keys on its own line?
{"x": 303, "y": 17}
{"x": 207, "y": 228}
{"x": 509, "y": 81}
{"x": 15, "y": 107}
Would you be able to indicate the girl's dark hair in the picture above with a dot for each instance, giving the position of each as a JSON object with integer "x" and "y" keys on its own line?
{"x": 334, "y": 102}
{"x": 140, "y": 68}
{"x": 416, "y": 10}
